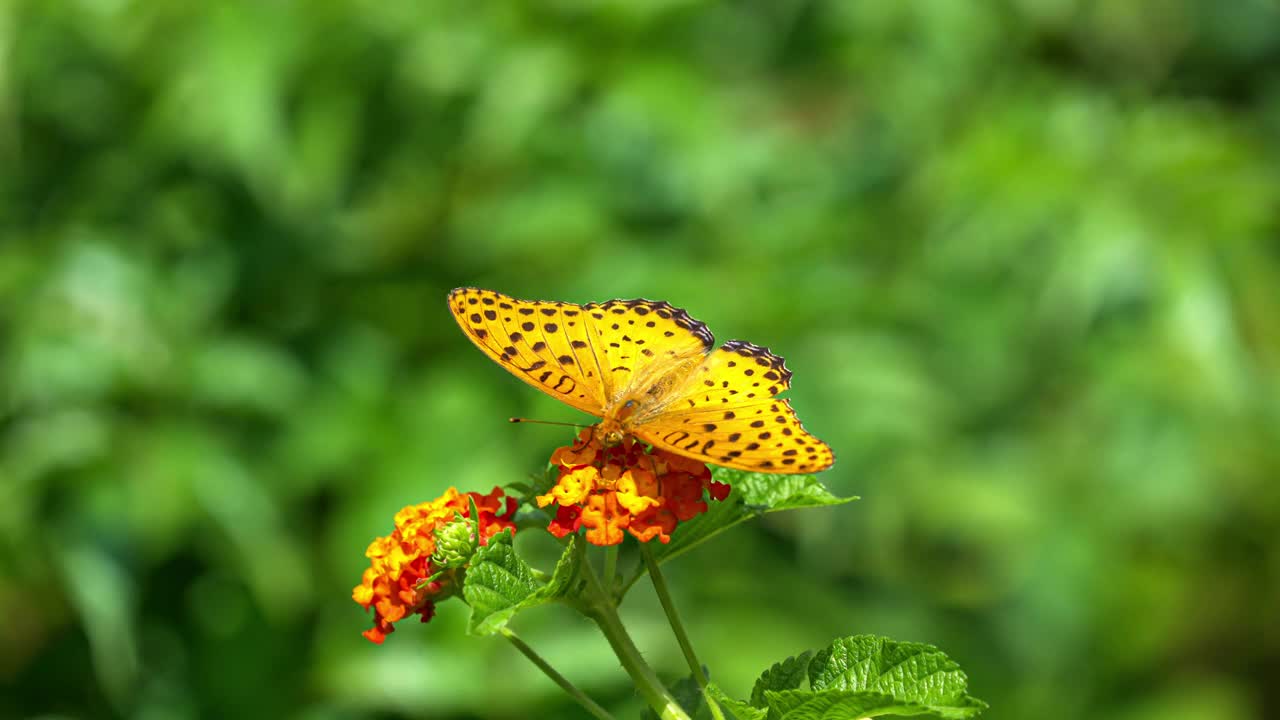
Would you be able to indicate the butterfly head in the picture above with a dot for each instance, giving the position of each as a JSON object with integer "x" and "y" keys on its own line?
{"x": 612, "y": 429}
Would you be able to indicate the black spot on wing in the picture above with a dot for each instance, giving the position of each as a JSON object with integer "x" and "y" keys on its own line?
{"x": 666, "y": 311}
{"x": 675, "y": 436}
{"x": 773, "y": 367}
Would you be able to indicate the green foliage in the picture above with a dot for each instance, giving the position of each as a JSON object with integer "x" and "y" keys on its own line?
{"x": 737, "y": 709}
{"x": 915, "y": 675}
{"x": 866, "y": 676}
{"x": 858, "y": 677}
{"x": 786, "y": 675}
{"x": 868, "y": 662}
{"x": 500, "y": 584}
{"x": 837, "y": 705}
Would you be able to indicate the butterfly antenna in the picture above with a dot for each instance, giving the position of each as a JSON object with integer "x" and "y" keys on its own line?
{"x": 546, "y": 422}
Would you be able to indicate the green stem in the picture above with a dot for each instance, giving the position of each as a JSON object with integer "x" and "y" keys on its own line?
{"x": 556, "y": 677}
{"x": 673, "y": 617}
{"x": 610, "y": 574}
{"x": 647, "y": 683}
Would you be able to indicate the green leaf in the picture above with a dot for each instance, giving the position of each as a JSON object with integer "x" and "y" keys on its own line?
{"x": 786, "y": 675}
{"x": 834, "y": 705}
{"x": 499, "y": 584}
{"x": 913, "y": 673}
{"x": 496, "y": 584}
{"x": 768, "y": 493}
{"x": 867, "y": 676}
{"x": 735, "y": 709}
{"x": 754, "y": 494}
{"x": 566, "y": 578}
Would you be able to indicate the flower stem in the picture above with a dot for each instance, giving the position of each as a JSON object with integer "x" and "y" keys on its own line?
{"x": 556, "y": 677}
{"x": 610, "y": 574}
{"x": 673, "y": 617}
{"x": 669, "y": 607}
{"x": 647, "y": 683}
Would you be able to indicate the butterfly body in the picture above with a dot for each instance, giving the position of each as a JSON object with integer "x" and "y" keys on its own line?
{"x": 651, "y": 371}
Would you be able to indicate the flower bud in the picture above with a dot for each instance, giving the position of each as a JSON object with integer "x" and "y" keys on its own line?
{"x": 455, "y": 544}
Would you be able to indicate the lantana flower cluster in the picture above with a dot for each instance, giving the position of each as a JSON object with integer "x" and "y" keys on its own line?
{"x": 404, "y": 578}
{"x": 611, "y": 489}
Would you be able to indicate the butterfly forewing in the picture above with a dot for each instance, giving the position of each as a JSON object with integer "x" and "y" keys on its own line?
{"x": 545, "y": 344}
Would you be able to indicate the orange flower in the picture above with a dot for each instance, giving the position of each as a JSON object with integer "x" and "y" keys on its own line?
{"x": 605, "y": 519}
{"x": 626, "y": 487}
{"x": 576, "y": 483}
{"x": 637, "y": 490}
{"x": 399, "y": 581}
{"x": 654, "y": 522}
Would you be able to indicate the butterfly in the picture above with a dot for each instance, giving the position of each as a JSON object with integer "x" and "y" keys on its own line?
{"x": 648, "y": 370}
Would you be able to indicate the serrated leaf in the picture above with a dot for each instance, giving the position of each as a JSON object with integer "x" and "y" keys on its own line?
{"x": 499, "y": 584}
{"x": 834, "y": 705}
{"x": 771, "y": 493}
{"x": 735, "y": 709}
{"x": 786, "y": 675}
{"x": 565, "y": 577}
{"x": 915, "y": 675}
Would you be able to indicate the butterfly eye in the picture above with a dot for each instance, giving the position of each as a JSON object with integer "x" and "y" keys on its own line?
{"x": 629, "y": 403}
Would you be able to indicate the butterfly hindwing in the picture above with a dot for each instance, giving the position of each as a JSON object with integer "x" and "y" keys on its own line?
{"x": 737, "y": 372}
{"x": 763, "y": 436}
{"x": 727, "y": 413}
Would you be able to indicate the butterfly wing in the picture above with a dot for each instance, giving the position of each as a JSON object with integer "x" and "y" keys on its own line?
{"x": 645, "y": 347}
{"x": 718, "y": 407}
{"x": 591, "y": 357}
{"x": 546, "y": 344}
{"x": 726, "y": 412}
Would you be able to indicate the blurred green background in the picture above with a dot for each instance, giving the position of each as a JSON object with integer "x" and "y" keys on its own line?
{"x": 1021, "y": 256}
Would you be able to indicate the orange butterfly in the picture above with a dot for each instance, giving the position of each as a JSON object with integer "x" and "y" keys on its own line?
{"x": 647, "y": 369}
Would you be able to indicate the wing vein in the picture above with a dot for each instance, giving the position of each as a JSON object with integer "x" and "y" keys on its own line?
{"x": 564, "y": 330}
{"x": 593, "y": 335}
